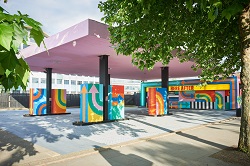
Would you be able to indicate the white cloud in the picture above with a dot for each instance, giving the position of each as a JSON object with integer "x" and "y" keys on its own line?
{"x": 56, "y": 15}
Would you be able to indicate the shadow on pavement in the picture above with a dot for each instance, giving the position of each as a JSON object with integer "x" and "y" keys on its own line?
{"x": 187, "y": 148}
{"x": 54, "y": 132}
{"x": 115, "y": 157}
{"x": 13, "y": 149}
{"x": 214, "y": 144}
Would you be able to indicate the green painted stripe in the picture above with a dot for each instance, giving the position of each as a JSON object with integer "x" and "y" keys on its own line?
{"x": 205, "y": 97}
{"x": 98, "y": 100}
{"x": 60, "y": 99}
{"x": 94, "y": 109}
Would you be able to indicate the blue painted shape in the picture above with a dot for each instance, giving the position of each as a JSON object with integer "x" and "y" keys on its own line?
{"x": 119, "y": 99}
{"x": 110, "y": 102}
{"x": 163, "y": 92}
{"x": 184, "y": 104}
{"x": 173, "y": 98}
{"x": 39, "y": 102}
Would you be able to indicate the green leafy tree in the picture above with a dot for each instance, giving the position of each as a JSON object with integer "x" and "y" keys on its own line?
{"x": 213, "y": 33}
{"x": 14, "y": 71}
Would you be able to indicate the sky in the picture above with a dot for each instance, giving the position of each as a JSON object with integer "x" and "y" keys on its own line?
{"x": 56, "y": 15}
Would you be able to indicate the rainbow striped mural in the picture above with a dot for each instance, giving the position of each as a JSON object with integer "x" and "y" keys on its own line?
{"x": 219, "y": 94}
{"x": 116, "y": 102}
{"x": 91, "y": 103}
{"x": 37, "y": 101}
{"x": 58, "y": 102}
{"x": 157, "y": 101}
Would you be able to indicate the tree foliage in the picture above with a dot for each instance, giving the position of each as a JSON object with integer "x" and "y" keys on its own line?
{"x": 150, "y": 30}
{"x": 215, "y": 34}
{"x": 14, "y": 71}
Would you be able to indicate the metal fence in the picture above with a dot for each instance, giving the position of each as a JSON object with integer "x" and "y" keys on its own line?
{"x": 73, "y": 100}
{"x": 14, "y": 100}
{"x": 21, "y": 100}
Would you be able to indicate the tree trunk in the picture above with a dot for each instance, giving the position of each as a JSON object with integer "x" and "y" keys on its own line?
{"x": 244, "y": 138}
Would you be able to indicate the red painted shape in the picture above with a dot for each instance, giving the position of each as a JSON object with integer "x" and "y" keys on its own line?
{"x": 152, "y": 101}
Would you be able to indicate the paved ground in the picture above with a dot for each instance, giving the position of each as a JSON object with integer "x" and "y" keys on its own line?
{"x": 141, "y": 140}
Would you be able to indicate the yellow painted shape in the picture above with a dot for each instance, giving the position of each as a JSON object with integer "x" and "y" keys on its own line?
{"x": 197, "y": 87}
{"x": 92, "y": 117}
{"x": 220, "y": 103}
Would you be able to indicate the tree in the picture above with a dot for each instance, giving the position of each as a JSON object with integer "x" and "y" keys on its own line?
{"x": 14, "y": 71}
{"x": 213, "y": 33}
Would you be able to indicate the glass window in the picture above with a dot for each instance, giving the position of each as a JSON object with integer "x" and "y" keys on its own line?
{"x": 35, "y": 80}
{"x": 66, "y": 82}
{"x": 79, "y": 82}
{"x": 59, "y": 81}
{"x": 43, "y": 80}
{"x": 73, "y": 82}
{"x": 53, "y": 81}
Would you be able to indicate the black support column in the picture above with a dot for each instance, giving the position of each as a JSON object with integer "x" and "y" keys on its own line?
{"x": 48, "y": 89}
{"x": 164, "y": 80}
{"x": 104, "y": 79}
{"x": 108, "y": 79}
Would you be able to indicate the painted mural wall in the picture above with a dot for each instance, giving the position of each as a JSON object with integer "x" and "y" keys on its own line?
{"x": 58, "y": 101}
{"x": 38, "y": 101}
{"x": 157, "y": 101}
{"x": 91, "y": 103}
{"x": 187, "y": 94}
{"x": 116, "y": 102}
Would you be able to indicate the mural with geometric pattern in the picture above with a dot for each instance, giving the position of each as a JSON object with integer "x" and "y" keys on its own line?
{"x": 209, "y": 99}
{"x": 58, "y": 101}
{"x": 219, "y": 94}
{"x": 91, "y": 103}
{"x": 37, "y": 101}
{"x": 157, "y": 101}
{"x": 116, "y": 102}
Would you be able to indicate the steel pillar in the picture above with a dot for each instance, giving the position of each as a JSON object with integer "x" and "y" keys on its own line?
{"x": 164, "y": 80}
{"x": 104, "y": 79}
{"x": 48, "y": 89}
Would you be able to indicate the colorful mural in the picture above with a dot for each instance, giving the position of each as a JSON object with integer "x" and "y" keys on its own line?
{"x": 157, "y": 101}
{"x": 58, "y": 101}
{"x": 37, "y": 101}
{"x": 116, "y": 102}
{"x": 91, "y": 103}
{"x": 219, "y": 94}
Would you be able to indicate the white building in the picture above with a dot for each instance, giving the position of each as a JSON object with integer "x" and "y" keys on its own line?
{"x": 72, "y": 82}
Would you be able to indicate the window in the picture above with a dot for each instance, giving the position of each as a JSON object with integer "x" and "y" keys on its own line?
{"x": 79, "y": 82}
{"x": 59, "y": 81}
{"x": 53, "y": 81}
{"x": 43, "y": 80}
{"x": 73, "y": 82}
{"x": 66, "y": 82}
{"x": 35, "y": 80}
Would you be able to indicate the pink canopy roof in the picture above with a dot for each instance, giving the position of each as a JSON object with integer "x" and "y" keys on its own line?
{"x": 76, "y": 49}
